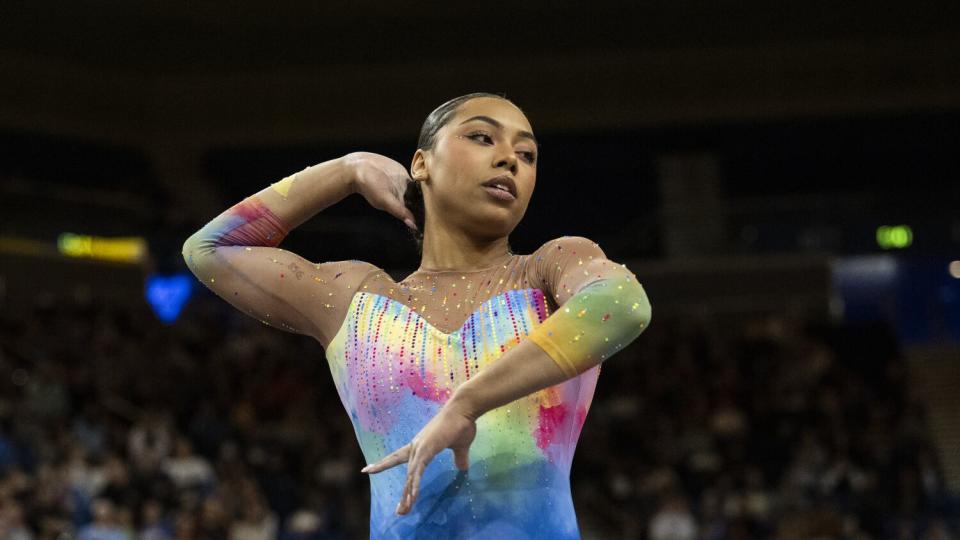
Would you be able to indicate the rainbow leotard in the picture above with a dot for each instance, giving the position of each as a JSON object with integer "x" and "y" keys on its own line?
{"x": 393, "y": 370}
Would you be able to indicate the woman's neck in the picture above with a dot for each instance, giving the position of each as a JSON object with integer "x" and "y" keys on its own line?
{"x": 448, "y": 252}
{"x": 492, "y": 263}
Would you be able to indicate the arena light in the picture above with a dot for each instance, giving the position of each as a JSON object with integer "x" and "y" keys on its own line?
{"x": 168, "y": 294}
{"x": 954, "y": 269}
{"x": 894, "y": 236}
{"x": 127, "y": 249}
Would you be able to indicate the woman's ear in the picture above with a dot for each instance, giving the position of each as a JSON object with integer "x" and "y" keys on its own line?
{"x": 418, "y": 167}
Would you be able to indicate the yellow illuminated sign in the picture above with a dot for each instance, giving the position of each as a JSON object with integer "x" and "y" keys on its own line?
{"x": 127, "y": 249}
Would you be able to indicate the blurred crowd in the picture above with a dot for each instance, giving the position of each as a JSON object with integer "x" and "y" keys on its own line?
{"x": 765, "y": 427}
{"x": 114, "y": 425}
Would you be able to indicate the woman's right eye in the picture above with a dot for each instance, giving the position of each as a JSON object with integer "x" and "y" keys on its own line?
{"x": 479, "y": 134}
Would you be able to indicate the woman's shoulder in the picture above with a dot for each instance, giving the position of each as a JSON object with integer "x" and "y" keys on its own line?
{"x": 349, "y": 271}
{"x": 350, "y": 265}
{"x": 547, "y": 263}
{"x": 567, "y": 245}
{"x": 336, "y": 283}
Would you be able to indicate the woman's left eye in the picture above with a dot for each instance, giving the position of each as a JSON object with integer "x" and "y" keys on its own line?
{"x": 529, "y": 156}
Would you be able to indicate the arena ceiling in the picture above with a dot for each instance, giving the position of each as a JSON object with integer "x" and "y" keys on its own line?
{"x": 152, "y": 72}
{"x": 175, "y": 79}
{"x": 223, "y": 37}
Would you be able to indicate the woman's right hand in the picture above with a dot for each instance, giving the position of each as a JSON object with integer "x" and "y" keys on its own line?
{"x": 382, "y": 182}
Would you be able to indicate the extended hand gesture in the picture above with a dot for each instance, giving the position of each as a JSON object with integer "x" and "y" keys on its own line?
{"x": 450, "y": 428}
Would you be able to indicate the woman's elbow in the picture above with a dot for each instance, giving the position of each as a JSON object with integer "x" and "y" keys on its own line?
{"x": 193, "y": 248}
{"x": 644, "y": 313}
{"x": 639, "y": 309}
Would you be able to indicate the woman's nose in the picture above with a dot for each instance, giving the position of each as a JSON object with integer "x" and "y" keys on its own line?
{"x": 509, "y": 161}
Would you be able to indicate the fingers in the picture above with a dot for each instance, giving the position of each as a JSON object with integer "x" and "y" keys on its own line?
{"x": 394, "y": 205}
{"x": 401, "y": 455}
{"x": 400, "y": 210}
{"x": 416, "y": 483}
{"x": 403, "y": 212}
{"x": 410, "y": 487}
{"x": 386, "y": 198}
{"x": 461, "y": 458}
{"x": 404, "y": 505}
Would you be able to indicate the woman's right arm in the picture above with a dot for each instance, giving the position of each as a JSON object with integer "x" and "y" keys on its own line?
{"x": 236, "y": 254}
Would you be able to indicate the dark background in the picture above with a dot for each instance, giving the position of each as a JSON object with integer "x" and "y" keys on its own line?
{"x": 739, "y": 156}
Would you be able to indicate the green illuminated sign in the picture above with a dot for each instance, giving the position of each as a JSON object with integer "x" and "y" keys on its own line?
{"x": 894, "y": 236}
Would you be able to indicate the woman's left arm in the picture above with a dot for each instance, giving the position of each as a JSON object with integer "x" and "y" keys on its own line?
{"x": 602, "y": 309}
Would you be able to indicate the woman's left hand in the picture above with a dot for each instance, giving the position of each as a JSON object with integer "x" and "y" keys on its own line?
{"x": 450, "y": 428}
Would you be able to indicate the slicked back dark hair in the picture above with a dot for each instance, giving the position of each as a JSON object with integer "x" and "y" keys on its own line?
{"x": 441, "y": 116}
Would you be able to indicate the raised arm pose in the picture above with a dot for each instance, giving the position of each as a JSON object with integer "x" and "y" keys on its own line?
{"x": 491, "y": 354}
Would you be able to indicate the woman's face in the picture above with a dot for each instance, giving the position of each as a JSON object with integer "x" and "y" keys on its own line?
{"x": 485, "y": 138}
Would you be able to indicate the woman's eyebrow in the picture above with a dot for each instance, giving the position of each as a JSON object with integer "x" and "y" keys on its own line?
{"x": 496, "y": 124}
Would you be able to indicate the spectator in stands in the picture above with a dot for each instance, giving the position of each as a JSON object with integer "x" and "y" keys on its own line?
{"x": 768, "y": 428}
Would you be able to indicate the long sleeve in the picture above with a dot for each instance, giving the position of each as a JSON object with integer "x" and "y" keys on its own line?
{"x": 235, "y": 256}
{"x": 603, "y": 307}
{"x": 247, "y": 223}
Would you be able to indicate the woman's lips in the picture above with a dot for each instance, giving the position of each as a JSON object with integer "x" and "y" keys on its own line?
{"x": 500, "y": 194}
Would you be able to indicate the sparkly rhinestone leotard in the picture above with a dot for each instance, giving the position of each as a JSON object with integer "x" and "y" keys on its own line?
{"x": 398, "y": 350}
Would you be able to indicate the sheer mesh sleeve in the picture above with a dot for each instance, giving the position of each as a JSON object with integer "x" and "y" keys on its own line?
{"x": 602, "y": 305}
{"x": 235, "y": 256}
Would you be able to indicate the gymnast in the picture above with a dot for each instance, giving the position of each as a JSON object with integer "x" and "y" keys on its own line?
{"x": 490, "y": 354}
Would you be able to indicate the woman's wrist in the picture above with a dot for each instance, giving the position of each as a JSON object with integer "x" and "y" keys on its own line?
{"x": 524, "y": 369}
{"x": 302, "y": 195}
{"x": 347, "y": 170}
{"x": 338, "y": 174}
{"x": 464, "y": 401}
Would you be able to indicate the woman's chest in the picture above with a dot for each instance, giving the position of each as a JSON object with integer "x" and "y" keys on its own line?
{"x": 391, "y": 332}
{"x": 394, "y": 369}
{"x": 387, "y": 348}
